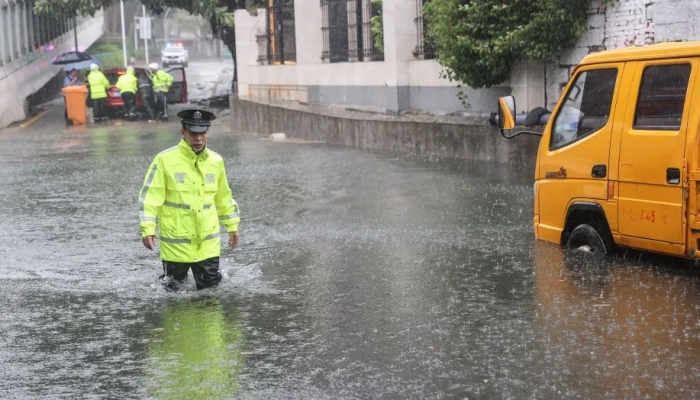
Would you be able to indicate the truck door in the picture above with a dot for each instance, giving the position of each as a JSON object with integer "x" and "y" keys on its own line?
{"x": 575, "y": 149}
{"x": 178, "y": 91}
{"x": 652, "y": 148}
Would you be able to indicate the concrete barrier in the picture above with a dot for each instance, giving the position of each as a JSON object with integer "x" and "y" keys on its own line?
{"x": 403, "y": 134}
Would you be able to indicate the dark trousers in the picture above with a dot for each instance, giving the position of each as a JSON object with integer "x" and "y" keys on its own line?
{"x": 162, "y": 104}
{"x": 206, "y": 272}
{"x": 99, "y": 107}
{"x": 129, "y": 103}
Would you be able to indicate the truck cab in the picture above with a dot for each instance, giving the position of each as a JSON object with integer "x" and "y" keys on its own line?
{"x": 618, "y": 163}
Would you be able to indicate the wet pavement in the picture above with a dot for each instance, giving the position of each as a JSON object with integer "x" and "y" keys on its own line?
{"x": 358, "y": 276}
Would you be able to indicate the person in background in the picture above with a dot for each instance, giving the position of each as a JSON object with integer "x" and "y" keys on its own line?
{"x": 98, "y": 92}
{"x": 146, "y": 94}
{"x": 71, "y": 79}
{"x": 128, "y": 85}
{"x": 161, "y": 86}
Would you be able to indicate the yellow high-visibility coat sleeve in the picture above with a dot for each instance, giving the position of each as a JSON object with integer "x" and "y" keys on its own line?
{"x": 226, "y": 206}
{"x": 151, "y": 197}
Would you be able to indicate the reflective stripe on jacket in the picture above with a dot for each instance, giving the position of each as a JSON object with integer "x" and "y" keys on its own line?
{"x": 127, "y": 83}
{"x": 98, "y": 85}
{"x": 161, "y": 81}
{"x": 189, "y": 196}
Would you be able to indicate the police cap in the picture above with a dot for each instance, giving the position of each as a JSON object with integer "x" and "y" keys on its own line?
{"x": 196, "y": 120}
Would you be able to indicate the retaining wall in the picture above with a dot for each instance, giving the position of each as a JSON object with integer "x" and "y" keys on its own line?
{"x": 381, "y": 132}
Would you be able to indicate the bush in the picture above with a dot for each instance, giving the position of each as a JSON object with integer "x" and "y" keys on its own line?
{"x": 111, "y": 55}
{"x": 140, "y": 54}
{"x": 477, "y": 42}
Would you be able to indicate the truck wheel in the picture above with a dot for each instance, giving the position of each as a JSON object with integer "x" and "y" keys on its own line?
{"x": 585, "y": 237}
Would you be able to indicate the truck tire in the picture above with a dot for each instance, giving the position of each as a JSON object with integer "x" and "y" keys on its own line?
{"x": 585, "y": 237}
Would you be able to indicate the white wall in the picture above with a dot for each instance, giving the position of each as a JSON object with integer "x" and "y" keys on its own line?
{"x": 626, "y": 23}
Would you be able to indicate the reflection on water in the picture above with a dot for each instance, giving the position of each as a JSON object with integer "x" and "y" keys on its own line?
{"x": 196, "y": 353}
{"x": 620, "y": 327}
{"x": 358, "y": 275}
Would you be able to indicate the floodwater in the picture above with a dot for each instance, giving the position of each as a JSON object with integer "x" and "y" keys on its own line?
{"x": 359, "y": 275}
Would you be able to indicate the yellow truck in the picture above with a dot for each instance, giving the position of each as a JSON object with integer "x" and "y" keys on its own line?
{"x": 619, "y": 159}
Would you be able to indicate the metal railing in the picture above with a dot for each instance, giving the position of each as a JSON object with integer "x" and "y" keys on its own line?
{"x": 281, "y": 37}
{"x": 423, "y": 49}
{"x": 263, "y": 56}
{"x": 347, "y": 31}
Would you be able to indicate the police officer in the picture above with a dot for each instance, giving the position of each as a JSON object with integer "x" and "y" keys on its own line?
{"x": 161, "y": 86}
{"x": 98, "y": 91}
{"x": 186, "y": 191}
{"x": 128, "y": 85}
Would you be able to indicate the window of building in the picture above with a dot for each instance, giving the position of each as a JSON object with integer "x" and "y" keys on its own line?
{"x": 347, "y": 30}
{"x": 662, "y": 97}
{"x": 586, "y": 107}
{"x": 281, "y": 33}
{"x": 423, "y": 50}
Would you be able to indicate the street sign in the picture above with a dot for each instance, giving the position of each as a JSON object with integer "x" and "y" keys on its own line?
{"x": 144, "y": 28}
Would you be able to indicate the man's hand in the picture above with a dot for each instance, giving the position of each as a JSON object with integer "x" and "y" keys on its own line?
{"x": 149, "y": 241}
{"x": 232, "y": 239}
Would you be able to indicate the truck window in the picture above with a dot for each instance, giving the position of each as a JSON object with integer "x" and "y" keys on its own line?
{"x": 586, "y": 107}
{"x": 661, "y": 97}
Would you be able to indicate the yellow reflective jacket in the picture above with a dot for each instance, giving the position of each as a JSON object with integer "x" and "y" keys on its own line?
{"x": 161, "y": 81}
{"x": 98, "y": 85}
{"x": 188, "y": 195}
{"x": 127, "y": 83}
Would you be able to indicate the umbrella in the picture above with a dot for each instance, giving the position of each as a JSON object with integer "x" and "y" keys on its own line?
{"x": 70, "y": 57}
{"x": 82, "y": 64}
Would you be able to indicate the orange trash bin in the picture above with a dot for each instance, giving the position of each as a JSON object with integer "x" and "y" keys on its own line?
{"x": 76, "y": 103}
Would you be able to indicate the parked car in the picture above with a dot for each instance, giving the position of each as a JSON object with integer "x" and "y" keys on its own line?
{"x": 115, "y": 104}
{"x": 617, "y": 164}
{"x": 174, "y": 55}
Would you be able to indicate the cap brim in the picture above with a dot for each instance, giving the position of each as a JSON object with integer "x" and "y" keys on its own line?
{"x": 197, "y": 128}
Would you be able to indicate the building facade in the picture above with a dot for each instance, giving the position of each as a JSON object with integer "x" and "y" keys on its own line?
{"x": 370, "y": 54}
{"x": 328, "y": 52}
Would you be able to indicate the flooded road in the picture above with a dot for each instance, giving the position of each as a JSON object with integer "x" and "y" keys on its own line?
{"x": 358, "y": 276}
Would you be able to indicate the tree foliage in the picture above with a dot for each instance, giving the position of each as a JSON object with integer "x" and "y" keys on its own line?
{"x": 478, "y": 41}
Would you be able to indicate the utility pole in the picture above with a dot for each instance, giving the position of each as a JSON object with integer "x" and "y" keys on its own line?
{"x": 166, "y": 34}
{"x": 121, "y": 3}
{"x": 145, "y": 34}
{"x": 75, "y": 31}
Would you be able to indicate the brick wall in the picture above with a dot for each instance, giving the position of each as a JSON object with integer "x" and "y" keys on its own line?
{"x": 626, "y": 23}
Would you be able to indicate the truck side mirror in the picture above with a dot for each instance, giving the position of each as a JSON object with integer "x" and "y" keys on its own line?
{"x": 506, "y": 118}
{"x": 506, "y": 112}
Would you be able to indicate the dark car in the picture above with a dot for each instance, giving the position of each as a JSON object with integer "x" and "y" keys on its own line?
{"x": 115, "y": 103}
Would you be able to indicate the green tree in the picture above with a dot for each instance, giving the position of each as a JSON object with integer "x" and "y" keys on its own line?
{"x": 219, "y": 13}
{"x": 477, "y": 42}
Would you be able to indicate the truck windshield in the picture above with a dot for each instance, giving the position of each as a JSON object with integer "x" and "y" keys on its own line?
{"x": 586, "y": 107}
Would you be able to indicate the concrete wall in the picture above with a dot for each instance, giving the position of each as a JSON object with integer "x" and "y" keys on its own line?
{"x": 397, "y": 134}
{"x": 24, "y": 76}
